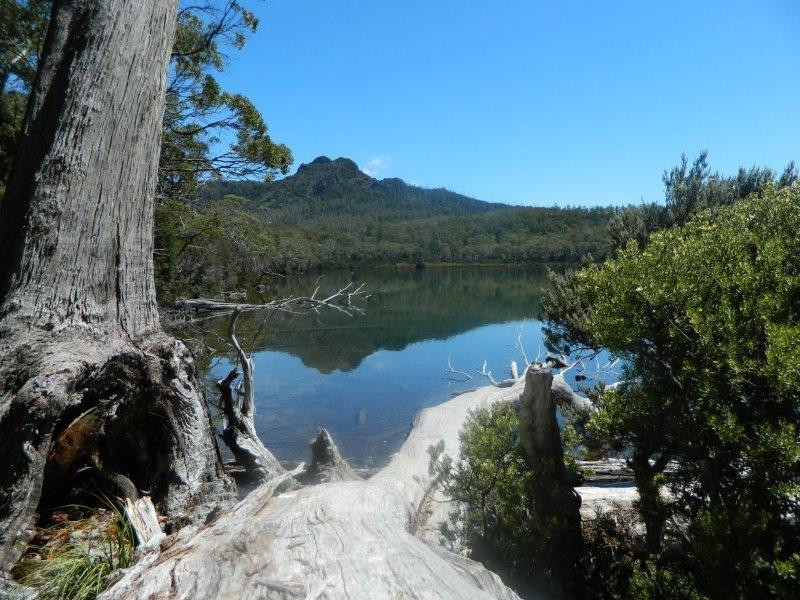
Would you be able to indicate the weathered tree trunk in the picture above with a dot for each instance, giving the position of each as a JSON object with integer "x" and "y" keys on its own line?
{"x": 345, "y": 539}
{"x": 556, "y": 502}
{"x": 79, "y": 329}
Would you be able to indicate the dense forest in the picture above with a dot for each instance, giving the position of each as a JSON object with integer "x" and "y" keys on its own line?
{"x": 331, "y": 215}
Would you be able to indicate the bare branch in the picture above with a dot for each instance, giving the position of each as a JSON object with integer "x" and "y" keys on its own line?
{"x": 248, "y": 405}
{"x": 450, "y": 369}
{"x": 341, "y": 300}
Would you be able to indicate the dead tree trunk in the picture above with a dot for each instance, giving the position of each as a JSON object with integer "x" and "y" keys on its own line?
{"x": 327, "y": 464}
{"x": 240, "y": 429}
{"x": 556, "y": 502}
{"x": 80, "y": 340}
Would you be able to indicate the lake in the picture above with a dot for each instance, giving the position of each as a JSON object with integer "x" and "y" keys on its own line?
{"x": 364, "y": 377}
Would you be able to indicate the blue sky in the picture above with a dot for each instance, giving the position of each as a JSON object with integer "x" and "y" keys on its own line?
{"x": 528, "y": 102}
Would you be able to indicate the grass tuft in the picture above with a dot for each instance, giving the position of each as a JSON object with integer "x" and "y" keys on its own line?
{"x": 79, "y": 570}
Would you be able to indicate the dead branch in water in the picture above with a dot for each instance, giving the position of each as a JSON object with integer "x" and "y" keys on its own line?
{"x": 239, "y": 432}
{"x": 341, "y": 300}
{"x": 238, "y": 403}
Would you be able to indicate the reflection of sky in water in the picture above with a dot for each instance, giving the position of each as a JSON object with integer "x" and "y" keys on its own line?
{"x": 368, "y": 410}
{"x": 364, "y": 378}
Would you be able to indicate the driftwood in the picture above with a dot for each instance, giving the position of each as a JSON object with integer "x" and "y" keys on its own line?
{"x": 346, "y": 539}
{"x": 142, "y": 516}
{"x": 341, "y": 300}
{"x": 239, "y": 432}
{"x": 566, "y": 398}
{"x": 327, "y": 464}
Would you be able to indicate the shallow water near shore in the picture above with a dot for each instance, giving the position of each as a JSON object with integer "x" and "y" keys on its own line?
{"x": 365, "y": 376}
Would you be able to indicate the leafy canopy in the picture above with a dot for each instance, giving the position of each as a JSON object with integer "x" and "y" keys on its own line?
{"x": 707, "y": 316}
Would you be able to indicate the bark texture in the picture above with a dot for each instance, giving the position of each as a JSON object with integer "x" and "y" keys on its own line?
{"x": 345, "y": 539}
{"x": 87, "y": 378}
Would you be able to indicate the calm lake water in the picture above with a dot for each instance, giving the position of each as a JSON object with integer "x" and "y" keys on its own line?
{"x": 365, "y": 377}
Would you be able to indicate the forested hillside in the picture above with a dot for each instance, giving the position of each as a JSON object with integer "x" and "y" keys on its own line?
{"x": 328, "y": 189}
{"x": 330, "y": 214}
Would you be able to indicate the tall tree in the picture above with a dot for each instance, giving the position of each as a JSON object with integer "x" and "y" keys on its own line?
{"x": 88, "y": 381}
{"x": 207, "y": 130}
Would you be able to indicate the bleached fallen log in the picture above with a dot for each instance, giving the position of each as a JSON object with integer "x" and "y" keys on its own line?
{"x": 602, "y": 497}
{"x": 347, "y": 539}
{"x": 566, "y": 397}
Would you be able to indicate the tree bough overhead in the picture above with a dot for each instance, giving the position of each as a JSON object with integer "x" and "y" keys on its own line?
{"x": 91, "y": 389}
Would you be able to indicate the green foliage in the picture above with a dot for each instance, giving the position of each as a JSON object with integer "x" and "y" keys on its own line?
{"x": 12, "y": 110}
{"x": 707, "y": 317}
{"x": 22, "y": 29}
{"x": 219, "y": 247}
{"x": 207, "y": 132}
{"x": 653, "y": 579}
{"x": 688, "y": 190}
{"x": 349, "y": 219}
{"x": 498, "y": 492}
{"x": 79, "y": 570}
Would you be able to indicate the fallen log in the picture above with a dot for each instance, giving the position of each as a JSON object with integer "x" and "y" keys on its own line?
{"x": 345, "y": 539}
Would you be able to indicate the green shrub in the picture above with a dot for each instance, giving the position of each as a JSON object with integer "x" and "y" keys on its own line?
{"x": 496, "y": 490}
{"x": 707, "y": 316}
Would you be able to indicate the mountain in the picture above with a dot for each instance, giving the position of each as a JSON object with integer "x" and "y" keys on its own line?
{"x": 327, "y": 189}
{"x": 405, "y": 306}
{"x": 332, "y": 215}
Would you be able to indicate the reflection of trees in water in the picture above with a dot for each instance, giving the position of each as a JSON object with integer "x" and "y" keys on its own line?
{"x": 406, "y": 306}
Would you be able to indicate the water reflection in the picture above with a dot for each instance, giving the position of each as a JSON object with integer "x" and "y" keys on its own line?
{"x": 365, "y": 377}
